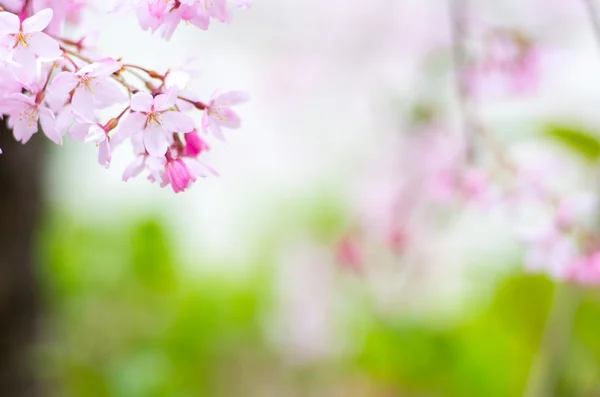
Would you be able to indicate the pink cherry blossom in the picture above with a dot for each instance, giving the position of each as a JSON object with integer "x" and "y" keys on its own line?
{"x": 24, "y": 114}
{"x": 143, "y": 161}
{"x": 180, "y": 175}
{"x": 92, "y": 86}
{"x": 166, "y": 15}
{"x": 585, "y": 270}
{"x": 155, "y": 119}
{"x": 25, "y": 40}
{"x": 82, "y": 129}
{"x": 64, "y": 11}
{"x": 218, "y": 112}
{"x": 99, "y": 136}
{"x": 54, "y": 82}
{"x": 511, "y": 62}
{"x": 194, "y": 144}
{"x": 350, "y": 255}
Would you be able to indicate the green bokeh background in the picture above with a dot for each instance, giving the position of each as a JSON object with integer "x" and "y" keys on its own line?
{"x": 126, "y": 318}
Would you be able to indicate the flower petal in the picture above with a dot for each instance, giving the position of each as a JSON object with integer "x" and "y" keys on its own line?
{"x": 83, "y": 103}
{"x": 38, "y": 22}
{"x": 128, "y": 126}
{"x": 102, "y": 68}
{"x": 134, "y": 169}
{"x": 44, "y": 45}
{"x": 9, "y": 23}
{"x": 64, "y": 83}
{"x": 48, "y": 123}
{"x": 231, "y": 98}
{"x": 174, "y": 121}
{"x": 108, "y": 93}
{"x": 142, "y": 102}
{"x": 155, "y": 141}
{"x": 23, "y": 130}
{"x": 230, "y": 119}
{"x": 104, "y": 153}
{"x": 167, "y": 100}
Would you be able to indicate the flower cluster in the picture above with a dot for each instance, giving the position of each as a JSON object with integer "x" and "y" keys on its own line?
{"x": 165, "y": 15}
{"x": 50, "y": 84}
{"x": 505, "y": 60}
{"x": 438, "y": 171}
{"x": 398, "y": 210}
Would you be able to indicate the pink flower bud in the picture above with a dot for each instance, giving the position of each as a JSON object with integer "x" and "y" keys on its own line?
{"x": 180, "y": 175}
{"x": 194, "y": 144}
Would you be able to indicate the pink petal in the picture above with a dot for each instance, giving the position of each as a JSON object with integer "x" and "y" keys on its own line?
{"x": 242, "y": 3}
{"x": 48, "y": 123}
{"x": 167, "y": 100}
{"x": 22, "y": 98}
{"x": 174, "y": 121}
{"x": 198, "y": 168}
{"x": 205, "y": 121}
{"x": 102, "y": 68}
{"x": 9, "y": 23}
{"x": 134, "y": 168}
{"x": 108, "y": 93}
{"x": 38, "y": 22}
{"x": 44, "y": 45}
{"x": 26, "y": 58}
{"x": 230, "y": 119}
{"x": 64, "y": 83}
{"x": 215, "y": 129}
{"x": 179, "y": 176}
{"x": 23, "y": 130}
{"x": 83, "y": 102}
{"x": 142, "y": 102}
{"x": 155, "y": 141}
{"x": 79, "y": 132}
{"x": 104, "y": 153}
{"x": 231, "y": 98}
{"x": 130, "y": 124}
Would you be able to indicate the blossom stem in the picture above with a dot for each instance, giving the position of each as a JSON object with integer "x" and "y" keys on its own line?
{"x": 76, "y": 54}
{"x": 68, "y": 58}
{"x": 49, "y": 76}
{"x": 122, "y": 113}
{"x": 76, "y": 44}
{"x": 146, "y": 82}
{"x": 199, "y": 105}
{"x": 130, "y": 89}
{"x": 150, "y": 73}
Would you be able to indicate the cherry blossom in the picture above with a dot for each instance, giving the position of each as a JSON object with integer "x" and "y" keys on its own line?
{"x": 24, "y": 113}
{"x": 58, "y": 85}
{"x": 180, "y": 175}
{"x": 25, "y": 40}
{"x": 92, "y": 87}
{"x": 166, "y": 15}
{"x": 218, "y": 112}
{"x": 153, "y": 117}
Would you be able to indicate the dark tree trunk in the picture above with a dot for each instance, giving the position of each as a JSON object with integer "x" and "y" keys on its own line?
{"x": 20, "y": 202}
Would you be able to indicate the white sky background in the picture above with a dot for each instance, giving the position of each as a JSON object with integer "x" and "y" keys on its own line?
{"x": 321, "y": 75}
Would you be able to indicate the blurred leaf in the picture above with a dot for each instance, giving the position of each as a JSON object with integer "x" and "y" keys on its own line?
{"x": 152, "y": 263}
{"x": 579, "y": 140}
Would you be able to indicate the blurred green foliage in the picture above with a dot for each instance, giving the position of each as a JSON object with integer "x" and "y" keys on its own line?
{"x": 127, "y": 319}
{"x": 581, "y": 141}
